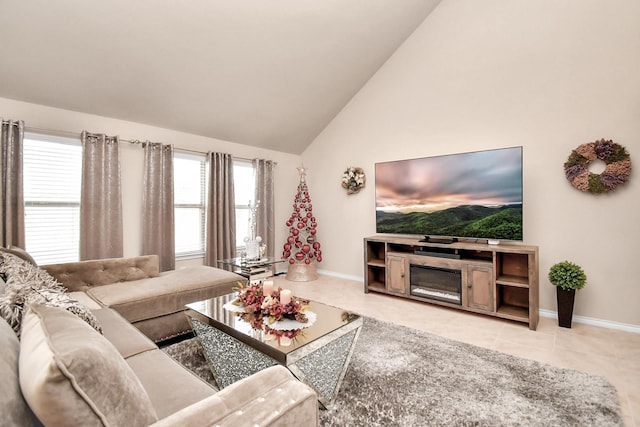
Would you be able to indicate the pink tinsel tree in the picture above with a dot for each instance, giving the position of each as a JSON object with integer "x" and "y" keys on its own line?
{"x": 301, "y": 246}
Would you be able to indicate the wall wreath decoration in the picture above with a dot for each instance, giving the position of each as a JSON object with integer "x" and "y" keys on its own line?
{"x": 353, "y": 179}
{"x": 616, "y": 172}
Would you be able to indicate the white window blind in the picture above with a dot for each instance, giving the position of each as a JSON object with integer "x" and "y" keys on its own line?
{"x": 52, "y": 180}
{"x": 190, "y": 189}
{"x": 245, "y": 190}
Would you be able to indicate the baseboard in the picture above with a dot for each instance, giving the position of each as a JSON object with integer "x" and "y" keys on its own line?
{"x": 543, "y": 313}
{"x": 594, "y": 322}
{"x": 341, "y": 276}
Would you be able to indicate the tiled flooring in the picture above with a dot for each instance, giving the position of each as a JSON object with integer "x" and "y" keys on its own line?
{"x": 611, "y": 353}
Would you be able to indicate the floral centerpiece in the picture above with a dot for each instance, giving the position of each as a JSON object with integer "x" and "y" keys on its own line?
{"x": 263, "y": 312}
{"x": 250, "y": 298}
{"x": 273, "y": 310}
{"x": 284, "y": 337}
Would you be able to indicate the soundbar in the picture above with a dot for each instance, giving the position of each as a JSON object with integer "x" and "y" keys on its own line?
{"x": 445, "y": 240}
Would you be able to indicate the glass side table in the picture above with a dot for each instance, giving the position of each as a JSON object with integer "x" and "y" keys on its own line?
{"x": 253, "y": 270}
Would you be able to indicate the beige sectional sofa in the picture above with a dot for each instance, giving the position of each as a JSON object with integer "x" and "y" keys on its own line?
{"x": 151, "y": 300}
{"x": 60, "y": 371}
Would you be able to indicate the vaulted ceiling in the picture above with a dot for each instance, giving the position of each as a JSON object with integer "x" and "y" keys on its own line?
{"x": 263, "y": 73}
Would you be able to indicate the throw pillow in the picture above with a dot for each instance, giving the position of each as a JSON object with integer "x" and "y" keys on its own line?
{"x": 20, "y": 253}
{"x": 72, "y": 376}
{"x": 27, "y": 284}
{"x": 13, "y": 408}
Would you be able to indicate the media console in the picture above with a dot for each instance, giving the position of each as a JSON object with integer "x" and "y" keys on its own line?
{"x": 496, "y": 280}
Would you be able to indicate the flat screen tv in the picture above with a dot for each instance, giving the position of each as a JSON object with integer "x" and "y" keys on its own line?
{"x": 476, "y": 195}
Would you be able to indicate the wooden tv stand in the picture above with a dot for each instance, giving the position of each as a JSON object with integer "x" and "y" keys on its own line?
{"x": 496, "y": 280}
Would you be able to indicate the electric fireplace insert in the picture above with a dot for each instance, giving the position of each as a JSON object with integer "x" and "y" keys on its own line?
{"x": 442, "y": 284}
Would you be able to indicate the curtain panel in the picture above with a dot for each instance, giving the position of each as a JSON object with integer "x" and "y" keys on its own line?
{"x": 158, "y": 228}
{"x": 221, "y": 210}
{"x": 12, "y": 231}
{"x": 264, "y": 193}
{"x": 100, "y": 199}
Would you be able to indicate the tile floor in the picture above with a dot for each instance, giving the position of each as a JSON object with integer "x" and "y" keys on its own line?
{"x": 611, "y": 353}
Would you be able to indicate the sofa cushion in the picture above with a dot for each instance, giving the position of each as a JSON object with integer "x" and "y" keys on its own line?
{"x": 71, "y": 375}
{"x": 85, "y": 300}
{"x": 13, "y": 408}
{"x": 125, "y": 337}
{"x": 28, "y": 284}
{"x": 170, "y": 386}
{"x": 168, "y": 293}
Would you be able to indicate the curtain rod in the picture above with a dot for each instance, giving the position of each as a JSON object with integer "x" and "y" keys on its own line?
{"x": 130, "y": 141}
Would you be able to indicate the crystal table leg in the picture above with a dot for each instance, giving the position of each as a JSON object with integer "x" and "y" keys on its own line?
{"x": 230, "y": 360}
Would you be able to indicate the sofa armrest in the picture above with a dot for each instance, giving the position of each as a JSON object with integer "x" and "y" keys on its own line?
{"x": 83, "y": 275}
{"x": 271, "y": 397}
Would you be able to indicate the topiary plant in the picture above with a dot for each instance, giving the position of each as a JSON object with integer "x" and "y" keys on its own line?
{"x": 567, "y": 275}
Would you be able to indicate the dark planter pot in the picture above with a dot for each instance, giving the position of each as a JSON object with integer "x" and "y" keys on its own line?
{"x": 565, "y": 306}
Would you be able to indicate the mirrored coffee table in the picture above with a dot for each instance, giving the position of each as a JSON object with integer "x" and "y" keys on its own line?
{"x": 318, "y": 356}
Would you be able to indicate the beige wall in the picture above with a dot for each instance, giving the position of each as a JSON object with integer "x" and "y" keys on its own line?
{"x": 548, "y": 75}
{"x": 132, "y": 159}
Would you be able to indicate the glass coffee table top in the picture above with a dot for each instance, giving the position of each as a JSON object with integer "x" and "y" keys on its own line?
{"x": 328, "y": 319}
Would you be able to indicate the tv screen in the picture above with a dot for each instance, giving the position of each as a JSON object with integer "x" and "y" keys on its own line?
{"x": 471, "y": 195}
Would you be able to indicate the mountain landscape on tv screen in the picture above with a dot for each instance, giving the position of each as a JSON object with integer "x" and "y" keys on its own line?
{"x": 501, "y": 222}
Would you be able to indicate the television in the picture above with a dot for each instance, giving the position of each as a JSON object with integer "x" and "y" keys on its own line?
{"x": 475, "y": 195}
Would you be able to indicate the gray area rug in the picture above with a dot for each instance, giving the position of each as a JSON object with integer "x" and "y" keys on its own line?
{"x": 403, "y": 377}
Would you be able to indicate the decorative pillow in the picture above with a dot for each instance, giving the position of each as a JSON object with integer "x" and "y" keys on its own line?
{"x": 3, "y": 285}
{"x": 20, "y": 253}
{"x": 72, "y": 376}
{"x": 13, "y": 408}
{"x": 27, "y": 284}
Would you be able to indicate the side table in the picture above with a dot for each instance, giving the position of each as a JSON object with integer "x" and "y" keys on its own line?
{"x": 253, "y": 270}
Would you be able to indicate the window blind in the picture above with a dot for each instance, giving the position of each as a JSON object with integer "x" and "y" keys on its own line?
{"x": 52, "y": 180}
{"x": 189, "y": 181}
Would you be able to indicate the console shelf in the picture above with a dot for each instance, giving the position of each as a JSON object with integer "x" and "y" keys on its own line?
{"x": 496, "y": 280}
{"x": 513, "y": 281}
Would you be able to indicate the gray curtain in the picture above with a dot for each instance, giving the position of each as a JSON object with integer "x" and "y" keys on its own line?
{"x": 11, "y": 191}
{"x": 158, "y": 235}
{"x": 100, "y": 200}
{"x": 264, "y": 193}
{"x": 221, "y": 210}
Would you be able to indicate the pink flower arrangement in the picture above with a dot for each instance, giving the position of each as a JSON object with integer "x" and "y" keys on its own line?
{"x": 258, "y": 306}
{"x": 284, "y": 338}
{"x": 250, "y": 297}
{"x": 275, "y": 311}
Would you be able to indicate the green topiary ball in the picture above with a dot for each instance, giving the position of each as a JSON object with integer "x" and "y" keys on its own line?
{"x": 567, "y": 275}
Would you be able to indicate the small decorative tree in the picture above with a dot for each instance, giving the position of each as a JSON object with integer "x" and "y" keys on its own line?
{"x": 302, "y": 247}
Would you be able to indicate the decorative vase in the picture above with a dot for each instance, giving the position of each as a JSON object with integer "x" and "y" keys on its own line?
{"x": 300, "y": 272}
{"x": 565, "y": 299}
{"x": 253, "y": 249}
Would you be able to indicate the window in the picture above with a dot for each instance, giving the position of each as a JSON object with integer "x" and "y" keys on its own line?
{"x": 189, "y": 173}
{"x": 245, "y": 189}
{"x": 52, "y": 181}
